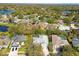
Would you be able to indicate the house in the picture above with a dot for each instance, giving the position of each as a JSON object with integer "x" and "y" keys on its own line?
{"x": 60, "y": 21}
{"x": 75, "y": 39}
{"x": 4, "y": 19}
{"x": 15, "y": 44}
{"x": 4, "y": 41}
{"x": 58, "y": 41}
{"x": 63, "y": 27}
{"x": 73, "y": 25}
{"x": 75, "y": 42}
{"x": 21, "y": 20}
{"x": 51, "y": 26}
{"x": 19, "y": 38}
{"x": 17, "y": 20}
{"x": 43, "y": 41}
{"x": 42, "y": 25}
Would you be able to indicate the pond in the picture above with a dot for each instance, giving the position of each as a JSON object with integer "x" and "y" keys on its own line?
{"x": 6, "y": 11}
{"x": 3, "y": 28}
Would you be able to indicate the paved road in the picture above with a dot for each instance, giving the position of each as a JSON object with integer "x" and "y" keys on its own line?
{"x": 45, "y": 50}
{"x": 13, "y": 53}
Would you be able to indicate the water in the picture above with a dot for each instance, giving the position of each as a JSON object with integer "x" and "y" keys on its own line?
{"x": 6, "y": 11}
{"x": 3, "y": 28}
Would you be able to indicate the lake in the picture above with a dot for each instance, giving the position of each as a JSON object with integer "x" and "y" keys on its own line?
{"x": 6, "y": 11}
{"x": 3, "y": 28}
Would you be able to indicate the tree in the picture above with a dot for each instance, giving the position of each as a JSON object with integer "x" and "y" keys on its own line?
{"x": 12, "y": 30}
{"x": 51, "y": 21}
{"x": 68, "y": 20}
{"x": 32, "y": 49}
{"x": 21, "y": 28}
{"x": 39, "y": 31}
{"x": 20, "y": 16}
{"x": 24, "y": 28}
{"x": 35, "y": 50}
{"x": 54, "y": 31}
{"x": 69, "y": 51}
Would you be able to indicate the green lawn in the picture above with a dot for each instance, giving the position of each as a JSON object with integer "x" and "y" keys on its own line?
{"x": 22, "y": 50}
{"x": 4, "y": 51}
{"x": 6, "y": 24}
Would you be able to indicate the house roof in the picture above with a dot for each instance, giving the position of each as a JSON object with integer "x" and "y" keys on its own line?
{"x": 52, "y": 26}
{"x": 57, "y": 40}
{"x": 41, "y": 39}
{"x": 75, "y": 41}
{"x": 19, "y": 37}
{"x": 4, "y": 42}
{"x": 14, "y": 44}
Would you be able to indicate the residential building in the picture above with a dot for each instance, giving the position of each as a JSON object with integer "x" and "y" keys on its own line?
{"x": 51, "y": 26}
{"x": 63, "y": 27}
{"x": 57, "y": 42}
{"x": 4, "y": 41}
{"x": 75, "y": 42}
{"x": 19, "y": 38}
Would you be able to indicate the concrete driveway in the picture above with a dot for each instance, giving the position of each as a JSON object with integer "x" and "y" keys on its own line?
{"x": 13, "y": 51}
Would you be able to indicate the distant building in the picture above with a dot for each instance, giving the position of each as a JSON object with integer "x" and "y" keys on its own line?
{"x": 73, "y": 25}
{"x": 4, "y": 41}
{"x": 17, "y": 20}
{"x": 51, "y": 26}
{"x": 63, "y": 27}
{"x": 42, "y": 25}
{"x": 75, "y": 42}
{"x": 4, "y": 19}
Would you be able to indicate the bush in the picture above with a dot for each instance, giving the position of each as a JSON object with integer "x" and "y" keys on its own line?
{"x": 54, "y": 31}
{"x": 39, "y": 31}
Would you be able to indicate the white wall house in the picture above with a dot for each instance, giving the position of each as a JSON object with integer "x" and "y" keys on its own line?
{"x": 74, "y": 27}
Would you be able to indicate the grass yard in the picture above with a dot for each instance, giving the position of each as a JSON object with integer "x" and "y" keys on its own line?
{"x": 4, "y": 51}
{"x": 6, "y": 24}
{"x": 22, "y": 50}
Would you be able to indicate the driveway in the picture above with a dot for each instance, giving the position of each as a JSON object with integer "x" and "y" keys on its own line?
{"x": 13, "y": 52}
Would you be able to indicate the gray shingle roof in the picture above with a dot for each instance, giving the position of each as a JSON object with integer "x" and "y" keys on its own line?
{"x": 15, "y": 44}
{"x": 19, "y": 37}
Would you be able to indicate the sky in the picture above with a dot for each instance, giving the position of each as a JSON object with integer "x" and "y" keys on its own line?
{"x": 39, "y": 1}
